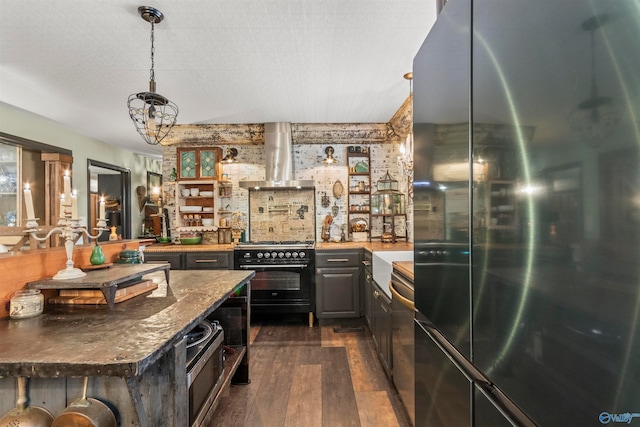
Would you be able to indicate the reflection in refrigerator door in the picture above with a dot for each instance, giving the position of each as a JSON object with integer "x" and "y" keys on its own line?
{"x": 442, "y": 391}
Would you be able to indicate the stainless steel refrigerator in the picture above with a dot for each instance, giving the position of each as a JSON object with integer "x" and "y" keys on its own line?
{"x": 527, "y": 122}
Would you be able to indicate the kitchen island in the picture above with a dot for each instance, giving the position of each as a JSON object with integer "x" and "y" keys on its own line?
{"x": 134, "y": 353}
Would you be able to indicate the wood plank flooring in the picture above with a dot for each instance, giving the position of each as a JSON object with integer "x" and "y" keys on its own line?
{"x": 328, "y": 375}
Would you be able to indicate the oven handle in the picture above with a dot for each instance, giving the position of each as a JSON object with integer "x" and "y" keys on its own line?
{"x": 257, "y": 267}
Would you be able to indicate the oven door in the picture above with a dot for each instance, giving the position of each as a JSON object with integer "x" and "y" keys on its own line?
{"x": 281, "y": 288}
{"x": 204, "y": 379}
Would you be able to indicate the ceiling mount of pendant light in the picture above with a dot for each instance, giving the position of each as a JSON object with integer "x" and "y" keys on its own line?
{"x": 152, "y": 114}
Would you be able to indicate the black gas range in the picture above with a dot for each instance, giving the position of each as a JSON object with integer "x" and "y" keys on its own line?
{"x": 273, "y": 253}
{"x": 284, "y": 281}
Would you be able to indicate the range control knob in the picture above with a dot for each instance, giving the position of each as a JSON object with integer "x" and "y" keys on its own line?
{"x": 259, "y": 255}
{"x": 280, "y": 254}
{"x": 273, "y": 254}
{"x": 295, "y": 254}
{"x": 302, "y": 254}
{"x": 267, "y": 255}
{"x": 287, "y": 254}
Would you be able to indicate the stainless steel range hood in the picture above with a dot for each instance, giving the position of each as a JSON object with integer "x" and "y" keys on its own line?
{"x": 279, "y": 161}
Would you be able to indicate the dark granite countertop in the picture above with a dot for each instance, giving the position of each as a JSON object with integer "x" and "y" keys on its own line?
{"x": 123, "y": 341}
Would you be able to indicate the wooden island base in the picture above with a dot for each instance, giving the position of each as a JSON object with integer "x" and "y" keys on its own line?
{"x": 134, "y": 354}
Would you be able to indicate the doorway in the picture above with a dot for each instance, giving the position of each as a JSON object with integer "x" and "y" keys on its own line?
{"x": 114, "y": 184}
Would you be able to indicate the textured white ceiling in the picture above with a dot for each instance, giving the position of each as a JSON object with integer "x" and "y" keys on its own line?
{"x": 220, "y": 61}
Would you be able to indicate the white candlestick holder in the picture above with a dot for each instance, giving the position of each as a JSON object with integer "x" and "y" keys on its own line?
{"x": 69, "y": 228}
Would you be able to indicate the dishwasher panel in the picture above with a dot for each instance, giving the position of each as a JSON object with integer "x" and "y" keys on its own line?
{"x": 402, "y": 336}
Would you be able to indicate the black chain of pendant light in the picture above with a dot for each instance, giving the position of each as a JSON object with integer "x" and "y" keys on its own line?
{"x": 152, "y": 114}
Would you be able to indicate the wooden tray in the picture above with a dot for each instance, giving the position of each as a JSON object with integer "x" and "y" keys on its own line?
{"x": 106, "y": 280}
{"x": 94, "y": 296}
{"x": 90, "y": 267}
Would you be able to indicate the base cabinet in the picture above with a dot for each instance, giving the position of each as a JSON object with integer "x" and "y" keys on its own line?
{"x": 175, "y": 259}
{"x": 206, "y": 260}
{"x": 338, "y": 284}
{"x": 381, "y": 327}
{"x": 367, "y": 289}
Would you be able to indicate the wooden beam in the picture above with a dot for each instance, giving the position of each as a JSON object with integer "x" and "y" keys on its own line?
{"x": 301, "y": 133}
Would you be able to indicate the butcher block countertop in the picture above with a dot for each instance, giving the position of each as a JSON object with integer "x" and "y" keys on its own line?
{"x": 404, "y": 268}
{"x": 167, "y": 247}
{"x": 371, "y": 246}
{"x": 122, "y": 341}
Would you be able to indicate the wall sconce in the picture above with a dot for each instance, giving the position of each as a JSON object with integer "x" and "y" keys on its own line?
{"x": 329, "y": 159}
{"x": 231, "y": 156}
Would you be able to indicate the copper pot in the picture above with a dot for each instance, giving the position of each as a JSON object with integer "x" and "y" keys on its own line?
{"x": 23, "y": 415}
{"x": 85, "y": 412}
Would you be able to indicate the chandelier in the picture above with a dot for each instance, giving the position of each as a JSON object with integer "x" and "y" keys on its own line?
{"x": 595, "y": 117}
{"x": 152, "y": 114}
{"x": 405, "y": 159}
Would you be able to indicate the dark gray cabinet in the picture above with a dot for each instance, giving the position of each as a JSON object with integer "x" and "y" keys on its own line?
{"x": 205, "y": 260}
{"x": 381, "y": 326}
{"x": 338, "y": 284}
{"x": 208, "y": 261}
{"x": 367, "y": 288}
{"x": 173, "y": 258}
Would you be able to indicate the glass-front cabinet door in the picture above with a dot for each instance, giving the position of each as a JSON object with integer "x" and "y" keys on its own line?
{"x": 10, "y": 215}
{"x": 198, "y": 163}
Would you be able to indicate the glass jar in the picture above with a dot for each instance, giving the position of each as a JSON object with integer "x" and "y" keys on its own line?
{"x": 26, "y": 303}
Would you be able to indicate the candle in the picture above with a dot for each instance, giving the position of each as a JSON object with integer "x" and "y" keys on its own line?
{"x": 74, "y": 205}
{"x": 101, "y": 208}
{"x": 67, "y": 185}
{"x": 28, "y": 202}
{"x": 62, "y": 212}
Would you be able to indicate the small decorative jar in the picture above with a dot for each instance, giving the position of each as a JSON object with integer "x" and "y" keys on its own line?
{"x": 26, "y": 303}
{"x": 97, "y": 256}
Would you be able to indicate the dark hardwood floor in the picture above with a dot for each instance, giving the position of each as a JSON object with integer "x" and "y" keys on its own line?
{"x": 328, "y": 375}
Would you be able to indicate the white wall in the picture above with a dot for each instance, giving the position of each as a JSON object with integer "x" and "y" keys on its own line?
{"x": 17, "y": 122}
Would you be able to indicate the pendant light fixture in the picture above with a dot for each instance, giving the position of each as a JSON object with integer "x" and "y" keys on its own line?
{"x": 594, "y": 118}
{"x": 152, "y": 114}
{"x": 405, "y": 159}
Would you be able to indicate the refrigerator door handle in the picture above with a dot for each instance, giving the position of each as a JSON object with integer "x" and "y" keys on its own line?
{"x": 507, "y": 408}
{"x": 515, "y": 415}
{"x": 460, "y": 362}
